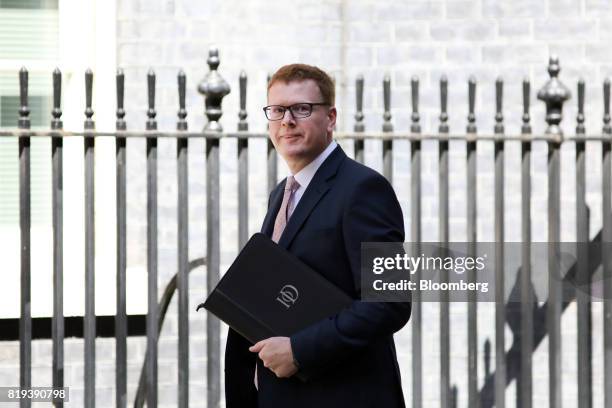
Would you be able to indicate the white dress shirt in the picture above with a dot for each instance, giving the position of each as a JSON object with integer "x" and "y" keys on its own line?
{"x": 304, "y": 176}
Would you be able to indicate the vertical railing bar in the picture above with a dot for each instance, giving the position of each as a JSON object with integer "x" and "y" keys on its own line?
{"x": 212, "y": 244}
{"x": 182, "y": 154}
{"x": 443, "y": 242}
{"x": 152, "y": 310}
{"x": 387, "y": 145}
{"x": 415, "y": 236}
{"x": 500, "y": 305}
{"x": 583, "y": 288}
{"x": 526, "y": 387}
{"x": 214, "y": 88}
{"x": 606, "y": 240}
{"x": 243, "y": 167}
{"x": 554, "y": 94}
{"x": 359, "y": 126}
{"x": 25, "y": 320}
{"x": 554, "y": 299}
{"x": 473, "y": 400}
{"x": 90, "y": 288}
{"x": 121, "y": 314}
{"x": 272, "y": 157}
{"x": 57, "y": 189}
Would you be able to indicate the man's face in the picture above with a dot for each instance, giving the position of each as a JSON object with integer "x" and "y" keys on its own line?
{"x": 300, "y": 140}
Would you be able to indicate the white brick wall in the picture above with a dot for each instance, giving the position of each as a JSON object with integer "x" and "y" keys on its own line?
{"x": 487, "y": 38}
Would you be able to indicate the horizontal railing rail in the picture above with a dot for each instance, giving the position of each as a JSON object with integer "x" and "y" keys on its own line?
{"x": 597, "y": 137}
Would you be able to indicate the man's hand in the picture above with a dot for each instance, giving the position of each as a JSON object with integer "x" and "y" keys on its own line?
{"x": 276, "y": 354}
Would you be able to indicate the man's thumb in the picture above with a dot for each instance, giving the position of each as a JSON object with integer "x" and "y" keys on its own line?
{"x": 256, "y": 348}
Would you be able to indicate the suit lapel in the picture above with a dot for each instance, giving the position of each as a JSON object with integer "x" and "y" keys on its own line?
{"x": 319, "y": 185}
{"x": 275, "y": 202}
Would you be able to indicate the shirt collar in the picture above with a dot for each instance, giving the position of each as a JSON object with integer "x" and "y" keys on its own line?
{"x": 304, "y": 176}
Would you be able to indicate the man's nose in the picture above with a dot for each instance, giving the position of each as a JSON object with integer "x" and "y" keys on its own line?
{"x": 288, "y": 119}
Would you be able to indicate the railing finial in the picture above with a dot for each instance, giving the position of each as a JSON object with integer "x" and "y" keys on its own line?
{"x": 415, "y": 127}
{"x": 24, "y": 111}
{"x": 553, "y": 66}
{"x": 359, "y": 125}
{"x": 471, "y": 127}
{"x": 214, "y": 88}
{"x": 182, "y": 112}
{"x": 151, "y": 113}
{"x": 56, "y": 122}
{"x": 499, "y": 100}
{"x": 387, "y": 125}
{"x": 554, "y": 94}
{"x": 242, "y": 114}
{"x": 120, "y": 114}
{"x": 580, "y": 129}
{"x": 526, "y": 127}
{"x": 607, "y": 129}
{"x": 89, "y": 123}
{"x": 213, "y": 59}
{"x": 443, "y": 128}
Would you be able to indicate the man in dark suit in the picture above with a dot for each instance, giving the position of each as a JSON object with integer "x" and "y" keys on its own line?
{"x": 322, "y": 213}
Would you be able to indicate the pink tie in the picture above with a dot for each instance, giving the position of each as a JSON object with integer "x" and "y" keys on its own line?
{"x": 281, "y": 222}
{"x": 286, "y": 208}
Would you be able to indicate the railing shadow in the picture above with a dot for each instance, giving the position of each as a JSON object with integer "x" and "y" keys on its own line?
{"x": 513, "y": 318}
{"x": 164, "y": 302}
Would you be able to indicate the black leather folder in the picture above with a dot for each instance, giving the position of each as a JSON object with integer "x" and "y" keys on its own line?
{"x": 269, "y": 292}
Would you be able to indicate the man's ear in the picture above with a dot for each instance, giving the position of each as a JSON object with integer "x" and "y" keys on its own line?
{"x": 332, "y": 115}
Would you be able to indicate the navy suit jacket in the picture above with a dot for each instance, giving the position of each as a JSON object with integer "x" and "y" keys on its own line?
{"x": 349, "y": 359}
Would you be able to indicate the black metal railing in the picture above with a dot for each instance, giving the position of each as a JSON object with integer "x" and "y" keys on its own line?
{"x": 530, "y": 323}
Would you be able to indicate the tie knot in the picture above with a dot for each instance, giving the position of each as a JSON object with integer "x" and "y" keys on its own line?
{"x": 292, "y": 184}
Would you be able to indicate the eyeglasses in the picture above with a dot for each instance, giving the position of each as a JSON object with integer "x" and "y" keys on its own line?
{"x": 297, "y": 110}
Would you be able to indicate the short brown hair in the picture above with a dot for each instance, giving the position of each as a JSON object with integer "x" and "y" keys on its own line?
{"x": 301, "y": 72}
